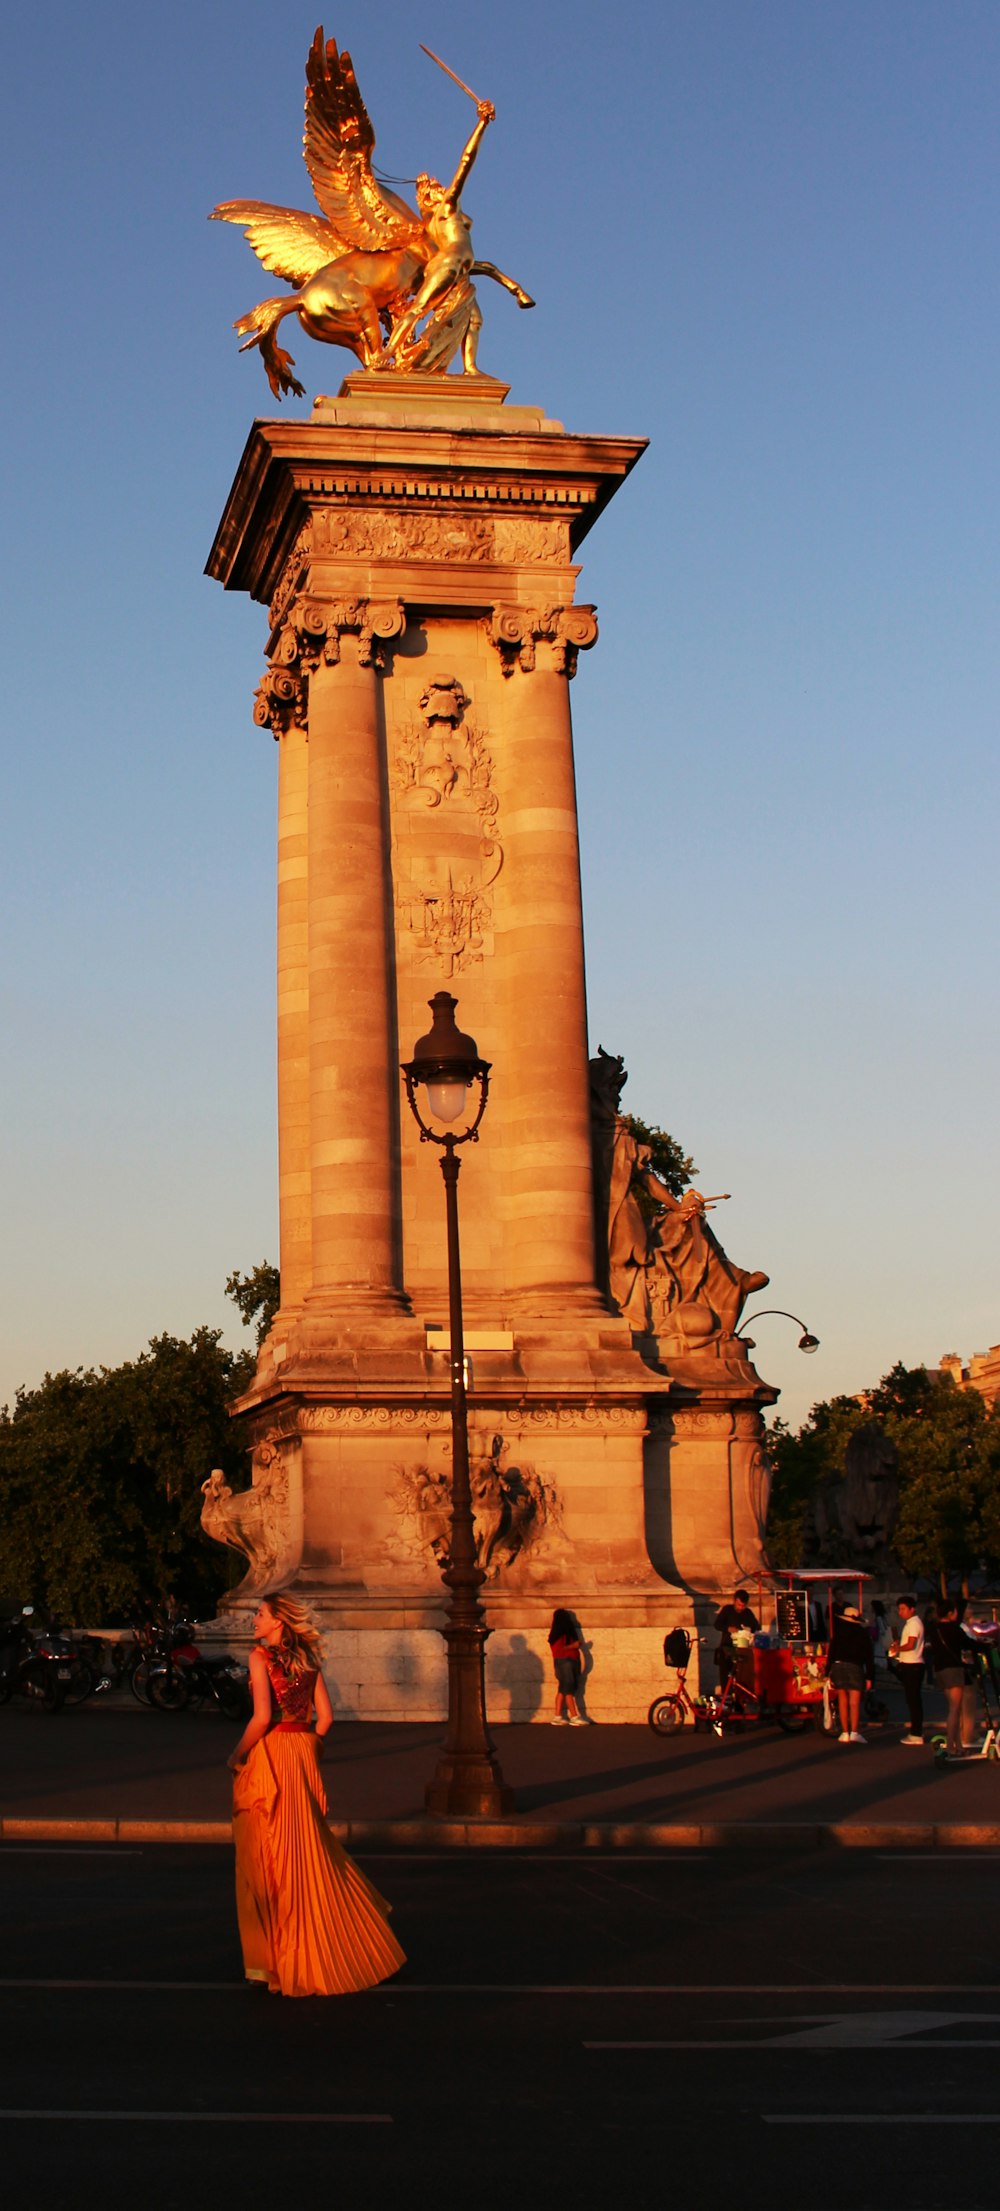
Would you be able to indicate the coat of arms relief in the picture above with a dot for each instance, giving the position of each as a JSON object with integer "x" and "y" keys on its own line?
{"x": 446, "y": 849}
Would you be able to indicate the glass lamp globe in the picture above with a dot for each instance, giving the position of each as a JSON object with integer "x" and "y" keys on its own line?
{"x": 446, "y": 1098}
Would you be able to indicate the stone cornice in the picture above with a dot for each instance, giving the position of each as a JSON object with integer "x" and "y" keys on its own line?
{"x": 290, "y": 471}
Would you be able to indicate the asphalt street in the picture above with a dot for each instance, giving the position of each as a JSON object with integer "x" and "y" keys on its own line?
{"x": 821, "y": 2030}
{"x": 128, "y": 1763}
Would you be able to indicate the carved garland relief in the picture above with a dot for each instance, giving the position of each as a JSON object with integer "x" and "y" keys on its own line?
{"x": 431, "y": 1419}
{"x": 477, "y": 540}
{"x": 446, "y": 850}
{"x": 292, "y": 576}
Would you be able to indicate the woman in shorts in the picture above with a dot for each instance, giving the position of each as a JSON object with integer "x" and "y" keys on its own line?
{"x": 567, "y": 1658}
{"x": 947, "y": 1644}
{"x": 852, "y": 1667}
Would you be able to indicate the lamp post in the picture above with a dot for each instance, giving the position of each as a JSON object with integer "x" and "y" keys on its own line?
{"x": 806, "y": 1341}
{"x": 468, "y": 1783}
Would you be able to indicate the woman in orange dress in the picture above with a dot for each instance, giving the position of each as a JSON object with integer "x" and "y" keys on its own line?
{"x": 310, "y": 1923}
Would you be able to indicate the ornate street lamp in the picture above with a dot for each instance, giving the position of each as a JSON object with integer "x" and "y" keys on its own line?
{"x": 468, "y": 1783}
{"x": 806, "y": 1341}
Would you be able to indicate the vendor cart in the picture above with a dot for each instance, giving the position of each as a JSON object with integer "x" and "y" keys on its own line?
{"x": 790, "y": 1659}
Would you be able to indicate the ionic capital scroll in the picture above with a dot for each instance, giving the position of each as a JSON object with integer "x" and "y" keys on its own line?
{"x": 310, "y": 634}
{"x": 515, "y": 631}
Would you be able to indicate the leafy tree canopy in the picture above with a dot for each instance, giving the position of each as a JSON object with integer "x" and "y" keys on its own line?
{"x": 667, "y": 1159}
{"x": 256, "y": 1296}
{"x": 948, "y": 1444}
{"x": 100, "y": 1481}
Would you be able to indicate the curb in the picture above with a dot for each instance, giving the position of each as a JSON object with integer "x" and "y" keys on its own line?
{"x": 446, "y": 1835}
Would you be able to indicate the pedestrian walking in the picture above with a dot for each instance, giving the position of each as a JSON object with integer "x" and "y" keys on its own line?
{"x": 310, "y": 1923}
{"x": 947, "y": 1644}
{"x": 851, "y": 1662}
{"x": 567, "y": 1659}
{"x": 908, "y": 1654}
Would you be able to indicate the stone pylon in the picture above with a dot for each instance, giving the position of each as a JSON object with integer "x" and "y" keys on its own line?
{"x": 414, "y": 543}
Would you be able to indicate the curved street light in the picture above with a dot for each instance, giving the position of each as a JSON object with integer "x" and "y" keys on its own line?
{"x": 807, "y": 1342}
{"x": 468, "y": 1783}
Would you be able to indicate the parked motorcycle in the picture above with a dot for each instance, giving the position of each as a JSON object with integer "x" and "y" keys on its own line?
{"x": 183, "y": 1676}
{"x": 36, "y": 1666}
{"x": 90, "y": 1673}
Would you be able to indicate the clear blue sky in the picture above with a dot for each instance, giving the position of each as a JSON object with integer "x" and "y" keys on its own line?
{"x": 765, "y": 235}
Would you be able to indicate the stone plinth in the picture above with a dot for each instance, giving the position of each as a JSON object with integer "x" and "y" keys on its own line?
{"x": 415, "y": 545}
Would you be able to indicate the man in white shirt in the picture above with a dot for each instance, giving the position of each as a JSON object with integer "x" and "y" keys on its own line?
{"x": 909, "y": 1656}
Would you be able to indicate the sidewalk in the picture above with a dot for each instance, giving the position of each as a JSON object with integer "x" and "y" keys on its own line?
{"x": 106, "y": 1774}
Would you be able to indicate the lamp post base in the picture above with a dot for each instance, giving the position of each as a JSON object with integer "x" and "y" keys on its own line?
{"x": 468, "y": 1783}
{"x": 468, "y": 1788}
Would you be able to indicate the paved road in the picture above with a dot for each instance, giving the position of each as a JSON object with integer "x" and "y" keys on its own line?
{"x": 818, "y": 2031}
{"x": 130, "y": 1764}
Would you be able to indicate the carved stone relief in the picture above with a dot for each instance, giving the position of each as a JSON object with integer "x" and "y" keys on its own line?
{"x": 354, "y": 534}
{"x": 477, "y": 540}
{"x": 516, "y": 630}
{"x": 517, "y": 1516}
{"x": 435, "y": 1420}
{"x": 310, "y": 633}
{"x": 520, "y": 541}
{"x": 758, "y": 1481}
{"x": 446, "y": 851}
{"x": 254, "y": 1521}
{"x": 292, "y": 575}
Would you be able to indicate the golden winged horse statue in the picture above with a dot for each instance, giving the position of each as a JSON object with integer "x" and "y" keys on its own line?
{"x": 371, "y": 273}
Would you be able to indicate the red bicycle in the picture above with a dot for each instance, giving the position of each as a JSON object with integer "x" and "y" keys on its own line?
{"x": 722, "y": 1709}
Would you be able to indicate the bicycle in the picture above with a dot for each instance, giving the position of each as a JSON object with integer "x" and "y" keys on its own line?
{"x": 730, "y": 1707}
{"x": 667, "y": 1714}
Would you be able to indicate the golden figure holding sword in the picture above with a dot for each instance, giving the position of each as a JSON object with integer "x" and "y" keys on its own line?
{"x": 370, "y": 270}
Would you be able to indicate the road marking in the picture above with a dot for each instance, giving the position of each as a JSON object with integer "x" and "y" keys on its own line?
{"x": 69, "y": 1849}
{"x": 792, "y": 2042}
{"x": 942, "y": 1857}
{"x": 140, "y": 1986}
{"x": 393, "y": 1989}
{"x": 221, "y": 2118}
{"x": 881, "y": 2118}
{"x": 689, "y": 1988}
{"x": 852, "y": 2030}
{"x": 661, "y": 1861}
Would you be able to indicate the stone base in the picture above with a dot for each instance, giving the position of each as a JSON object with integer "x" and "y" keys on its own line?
{"x": 398, "y": 1672}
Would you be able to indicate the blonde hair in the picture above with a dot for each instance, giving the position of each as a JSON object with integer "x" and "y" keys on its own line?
{"x": 301, "y": 1643}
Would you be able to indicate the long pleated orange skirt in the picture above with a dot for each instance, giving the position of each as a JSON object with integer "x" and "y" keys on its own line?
{"x": 310, "y": 1923}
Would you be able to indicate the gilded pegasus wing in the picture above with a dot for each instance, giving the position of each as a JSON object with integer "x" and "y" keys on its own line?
{"x": 294, "y": 245}
{"x": 339, "y": 143}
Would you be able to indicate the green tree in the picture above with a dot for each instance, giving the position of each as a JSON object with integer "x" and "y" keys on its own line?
{"x": 800, "y": 1464}
{"x": 948, "y": 1445}
{"x": 667, "y": 1159}
{"x": 100, "y": 1480}
{"x": 256, "y": 1296}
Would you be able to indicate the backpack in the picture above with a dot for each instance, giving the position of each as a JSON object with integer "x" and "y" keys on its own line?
{"x": 676, "y": 1647}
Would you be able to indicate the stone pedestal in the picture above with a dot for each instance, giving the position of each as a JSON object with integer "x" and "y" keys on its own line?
{"x": 414, "y": 543}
